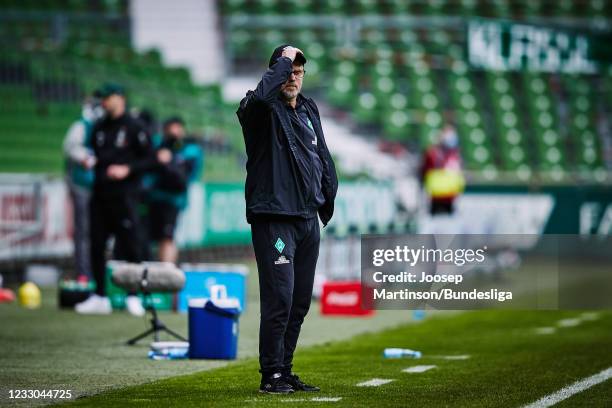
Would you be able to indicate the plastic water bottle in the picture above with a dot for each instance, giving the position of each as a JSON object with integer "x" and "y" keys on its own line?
{"x": 401, "y": 353}
{"x": 169, "y": 354}
{"x": 418, "y": 314}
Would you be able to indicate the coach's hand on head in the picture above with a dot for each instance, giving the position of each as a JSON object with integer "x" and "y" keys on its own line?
{"x": 291, "y": 52}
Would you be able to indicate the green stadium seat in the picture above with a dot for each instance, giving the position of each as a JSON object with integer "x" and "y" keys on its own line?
{"x": 366, "y": 108}
{"x": 366, "y": 6}
{"x": 233, "y": 7}
{"x": 399, "y": 79}
{"x": 298, "y": 7}
{"x": 265, "y": 7}
{"x": 394, "y": 7}
{"x": 332, "y": 7}
{"x": 56, "y": 78}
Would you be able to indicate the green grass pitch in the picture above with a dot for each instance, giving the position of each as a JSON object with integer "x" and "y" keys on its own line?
{"x": 510, "y": 365}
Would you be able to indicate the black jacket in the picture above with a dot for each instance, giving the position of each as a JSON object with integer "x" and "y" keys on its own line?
{"x": 121, "y": 141}
{"x": 174, "y": 177}
{"x": 276, "y": 183}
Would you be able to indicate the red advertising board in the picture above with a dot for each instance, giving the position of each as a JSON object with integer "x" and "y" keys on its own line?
{"x": 345, "y": 299}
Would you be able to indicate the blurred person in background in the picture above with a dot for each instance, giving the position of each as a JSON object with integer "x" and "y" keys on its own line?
{"x": 147, "y": 118}
{"x": 290, "y": 179}
{"x": 441, "y": 172}
{"x": 79, "y": 162}
{"x": 149, "y": 121}
{"x": 167, "y": 197}
{"x": 123, "y": 152}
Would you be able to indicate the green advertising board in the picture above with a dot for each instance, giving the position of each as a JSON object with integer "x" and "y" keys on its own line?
{"x": 216, "y": 214}
{"x": 585, "y": 209}
{"x": 508, "y": 46}
{"x": 225, "y": 218}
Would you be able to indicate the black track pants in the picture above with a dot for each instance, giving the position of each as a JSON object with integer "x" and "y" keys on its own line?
{"x": 114, "y": 215}
{"x": 286, "y": 254}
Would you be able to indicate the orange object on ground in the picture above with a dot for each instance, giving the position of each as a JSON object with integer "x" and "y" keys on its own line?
{"x": 6, "y": 296}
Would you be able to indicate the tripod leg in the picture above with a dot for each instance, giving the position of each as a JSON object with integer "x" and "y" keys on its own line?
{"x": 157, "y": 326}
{"x": 133, "y": 341}
{"x": 172, "y": 333}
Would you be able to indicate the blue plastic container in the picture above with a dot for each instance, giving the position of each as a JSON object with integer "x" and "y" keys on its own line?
{"x": 213, "y": 330}
{"x": 199, "y": 278}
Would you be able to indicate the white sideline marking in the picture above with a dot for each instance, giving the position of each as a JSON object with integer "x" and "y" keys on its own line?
{"x": 453, "y": 357}
{"x": 314, "y": 399}
{"x": 570, "y": 390}
{"x": 569, "y": 322}
{"x": 456, "y": 357}
{"x": 374, "y": 382}
{"x": 418, "y": 369}
{"x": 589, "y": 316}
{"x": 545, "y": 330}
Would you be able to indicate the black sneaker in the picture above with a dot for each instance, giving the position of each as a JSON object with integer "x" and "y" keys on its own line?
{"x": 295, "y": 382}
{"x": 275, "y": 384}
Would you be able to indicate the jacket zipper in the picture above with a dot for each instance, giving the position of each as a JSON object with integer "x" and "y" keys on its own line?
{"x": 311, "y": 192}
{"x": 292, "y": 148}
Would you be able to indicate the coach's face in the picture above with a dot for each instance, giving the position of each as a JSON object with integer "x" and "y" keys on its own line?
{"x": 292, "y": 87}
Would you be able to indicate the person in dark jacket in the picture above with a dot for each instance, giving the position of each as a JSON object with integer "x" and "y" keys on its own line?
{"x": 168, "y": 195}
{"x": 290, "y": 179}
{"x": 123, "y": 152}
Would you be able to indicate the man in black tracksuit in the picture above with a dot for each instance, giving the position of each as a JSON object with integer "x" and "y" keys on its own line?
{"x": 290, "y": 179}
{"x": 123, "y": 151}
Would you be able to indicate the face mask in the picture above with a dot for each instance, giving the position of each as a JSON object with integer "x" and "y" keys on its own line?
{"x": 92, "y": 112}
{"x": 99, "y": 112}
{"x": 173, "y": 142}
{"x": 450, "y": 139}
